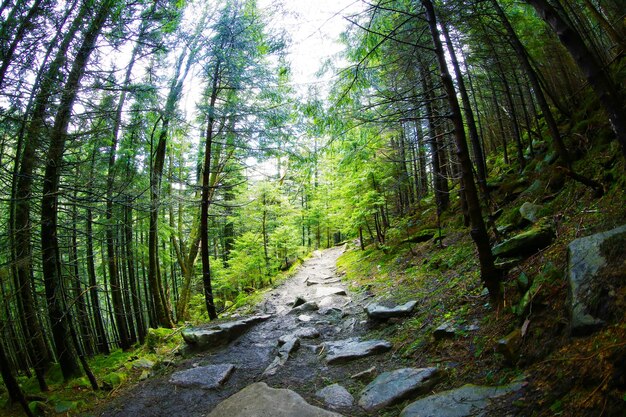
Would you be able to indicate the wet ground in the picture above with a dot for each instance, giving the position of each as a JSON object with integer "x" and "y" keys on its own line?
{"x": 306, "y": 371}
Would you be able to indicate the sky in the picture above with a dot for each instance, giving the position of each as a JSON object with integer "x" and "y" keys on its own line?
{"x": 314, "y": 26}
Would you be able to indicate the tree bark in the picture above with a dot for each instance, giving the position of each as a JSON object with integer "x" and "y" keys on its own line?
{"x": 608, "y": 92}
{"x": 51, "y": 259}
{"x": 489, "y": 274}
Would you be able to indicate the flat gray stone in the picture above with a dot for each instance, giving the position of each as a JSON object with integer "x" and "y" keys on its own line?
{"x": 259, "y": 400}
{"x": 326, "y": 291}
{"x": 585, "y": 261}
{"x": 539, "y": 236}
{"x": 350, "y": 349}
{"x": 304, "y": 318}
{"x": 469, "y": 400}
{"x": 287, "y": 345}
{"x": 306, "y": 307}
{"x": 335, "y": 396}
{"x": 307, "y": 333}
{"x": 393, "y": 387}
{"x": 380, "y": 312}
{"x": 445, "y": 331}
{"x": 202, "y": 338}
{"x": 530, "y": 211}
{"x": 205, "y": 377}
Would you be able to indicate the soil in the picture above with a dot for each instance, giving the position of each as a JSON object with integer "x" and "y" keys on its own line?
{"x": 339, "y": 317}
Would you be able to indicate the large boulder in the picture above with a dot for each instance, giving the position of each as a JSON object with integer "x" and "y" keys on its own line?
{"x": 592, "y": 261}
{"x": 349, "y": 349}
{"x": 202, "y": 338}
{"x": 377, "y": 311}
{"x": 527, "y": 243}
{"x": 469, "y": 400}
{"x": 392, "y": 387}
{"x": 259, "y": 400}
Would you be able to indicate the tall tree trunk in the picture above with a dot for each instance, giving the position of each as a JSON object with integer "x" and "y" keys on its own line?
{"x": 25, "y": 24}
{"x": 206, "y": 197}
{"x": 51, "y": 259}
{"x": 489, "y": 274}
{"x": 479, "y": 157}
{"x": 35, "y": 337}
{"x": 608, "y": 92}
{"x": 101, "y": 336}
{"x": 522, "y": 56}
{"x": 440, "y": 182}
{"x": 13, "y": 388}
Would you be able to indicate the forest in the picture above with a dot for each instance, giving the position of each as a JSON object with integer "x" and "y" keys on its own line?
{"x": 161, "y": 168}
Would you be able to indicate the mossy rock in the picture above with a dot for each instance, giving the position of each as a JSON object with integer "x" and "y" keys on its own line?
{"x": 114, "y": 379}
{"x": 157, "y": 336}
{"x": 528, "y": 242}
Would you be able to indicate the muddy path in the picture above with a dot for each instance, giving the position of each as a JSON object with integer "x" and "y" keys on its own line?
{"x": 340, "y": 316}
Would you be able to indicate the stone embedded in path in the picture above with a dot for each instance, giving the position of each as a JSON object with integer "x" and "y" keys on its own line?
{"x": 206, "y": 338}
{"x": 380, "y": 312}
{"x": 205, "y": 377}
{"x": 288, "y": 344}
{"x": 307, "y": 333}
{"x": 326, "y": 291}
{"x": 259, "y": 400}
{"x": 308, "y": 306}
{"x": 392, "y": 387}
{"x": 299, "y": 301}
{"x": 469, "y": 400}
{"x": 335, "y": 396}
{"x": 304, "y": 318}
{"x": 588, "y": 258}
{"x": 350, "y": 349}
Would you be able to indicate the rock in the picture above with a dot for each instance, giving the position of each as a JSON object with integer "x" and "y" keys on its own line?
{"x": 468, "y": 400}
{"x": 526, "y": 243}
{"x": 289, "y": 345}
{"x": 507, "y": 263}
{"x": 311, "y": 282}
{"x": 380, "y": 312}
{"x": 365, "y": 375}
{"x": 143, "y": 363}
{"x": 259, "y": 400}
{"x": 509, "y": 345}
{"x": 299, "y": 301}
{"x": 221, "y": 334}
{"x": 587, "y": 257}
{"x": 205, "y": 377}
{"x": 304, "y": 318}
{"x": 326, "y": 291}
{"x": 392, "y": 387}
{"x": 307, "y": 333}
{"x": 302, "y": 308}
{"x": 335, "y": 396}
{"x": 325, "y": 311}
{"x": 350, "y": 349}
{"x": 445, "y": 331}
{"x": 530, "y": 211}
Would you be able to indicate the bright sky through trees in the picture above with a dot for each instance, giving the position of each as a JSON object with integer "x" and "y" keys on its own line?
{"x": 314, "y": 27}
